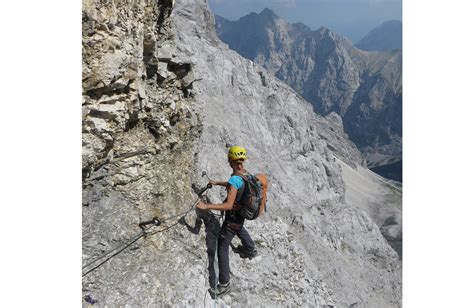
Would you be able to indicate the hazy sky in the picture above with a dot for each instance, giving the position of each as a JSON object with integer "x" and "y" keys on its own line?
{"x": 352, "y": 18}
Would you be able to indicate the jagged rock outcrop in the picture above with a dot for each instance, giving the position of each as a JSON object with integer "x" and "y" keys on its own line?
{"x": 384, "y": 37}
{"x": 264, "y": 38}
{"x": 364, "y": 88}
{"x": 139, "y": 124}
{"x": 315, "y": 249}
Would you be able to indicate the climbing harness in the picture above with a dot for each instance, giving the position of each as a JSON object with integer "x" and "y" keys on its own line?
{"x": 144, "y": 226}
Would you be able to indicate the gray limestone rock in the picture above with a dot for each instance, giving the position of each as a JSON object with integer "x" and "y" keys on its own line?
{"x": 315, "y": 249}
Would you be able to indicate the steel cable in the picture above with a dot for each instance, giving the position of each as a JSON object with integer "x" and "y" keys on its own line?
{"x": 133, "y": 239}
{"x": 113, "y": 249}
{"x": 113, "y": 255}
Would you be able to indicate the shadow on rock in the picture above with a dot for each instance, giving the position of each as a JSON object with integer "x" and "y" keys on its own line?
{"x": 212, "y": 229}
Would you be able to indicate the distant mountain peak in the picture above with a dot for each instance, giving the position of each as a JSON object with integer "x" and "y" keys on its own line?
{"x": 268, "y": 13}
{"x": 386, "y": 36}
{"x": 328, "y": 34}
{"x": 323, "y": 31}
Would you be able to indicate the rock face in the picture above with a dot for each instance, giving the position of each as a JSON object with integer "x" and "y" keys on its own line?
{"x": 364, "y": 88}
{"x": 315, "y": 248}
{"x": 384, "y": 37}
{"x": 139, "y": 125}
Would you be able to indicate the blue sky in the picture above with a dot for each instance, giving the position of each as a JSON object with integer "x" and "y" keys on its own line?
{"x": 351, "y": 18}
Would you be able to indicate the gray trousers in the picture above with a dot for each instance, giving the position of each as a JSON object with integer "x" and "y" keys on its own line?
{"x": 227, "y": 233}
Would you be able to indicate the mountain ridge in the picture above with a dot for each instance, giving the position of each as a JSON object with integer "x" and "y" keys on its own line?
{"x": 327, "y": 70}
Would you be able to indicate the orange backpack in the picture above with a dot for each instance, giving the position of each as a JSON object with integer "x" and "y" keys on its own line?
{"x": 263, "y": 203}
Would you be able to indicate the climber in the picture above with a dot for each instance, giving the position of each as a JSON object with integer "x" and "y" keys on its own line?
{"x": 234, "y": 222}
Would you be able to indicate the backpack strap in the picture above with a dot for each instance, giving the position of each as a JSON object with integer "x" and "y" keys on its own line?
{"x": 240, "y": 192}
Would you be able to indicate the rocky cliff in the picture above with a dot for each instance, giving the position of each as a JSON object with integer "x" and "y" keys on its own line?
{"x": 163, "y": 99}
{"x": 364, "y": 88}
{"x": 139, "y": 125}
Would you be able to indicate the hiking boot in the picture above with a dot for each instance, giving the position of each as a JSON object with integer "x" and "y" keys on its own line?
{"x": 221, "y": 289}
{"x": 246, "y": 253}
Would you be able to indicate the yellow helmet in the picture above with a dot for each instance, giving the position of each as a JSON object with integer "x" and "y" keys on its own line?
{"x": 237, "y": 152}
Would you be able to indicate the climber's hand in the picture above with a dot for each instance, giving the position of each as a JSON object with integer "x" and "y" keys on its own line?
{"x": 201, "y": 205}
